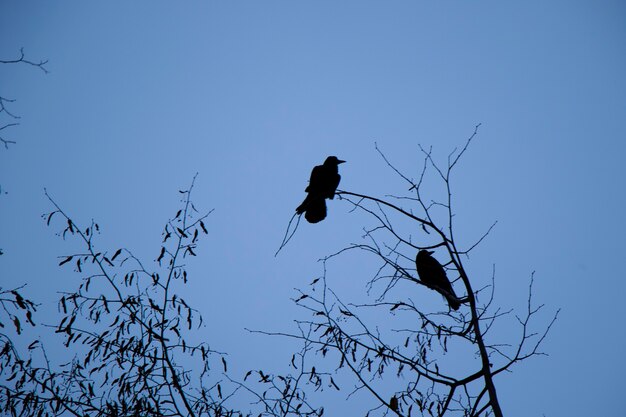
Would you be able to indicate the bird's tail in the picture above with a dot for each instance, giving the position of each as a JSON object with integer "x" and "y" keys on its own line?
{"x": 453, "y": 300}
{"x": 302, "y": 207}
{"x": 315, "y": 211}
{"x": 450, "y": 296}
{"x": 454, "y": 303}
{"x": 310, "y": 201}
{"x": 313, "y": 207}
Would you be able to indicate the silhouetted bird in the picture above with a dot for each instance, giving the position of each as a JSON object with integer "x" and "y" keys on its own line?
{"x": 322, "y": 185}
{"x": 434, "y": 276}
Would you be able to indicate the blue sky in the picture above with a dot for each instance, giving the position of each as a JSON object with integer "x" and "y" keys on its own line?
{"x": 251, "y": 95}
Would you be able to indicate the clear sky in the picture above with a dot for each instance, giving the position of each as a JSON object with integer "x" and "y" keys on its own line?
{"x": 141, "y": 95}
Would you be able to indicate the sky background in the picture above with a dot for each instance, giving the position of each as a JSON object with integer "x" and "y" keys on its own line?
{"x": 251, "y": 95}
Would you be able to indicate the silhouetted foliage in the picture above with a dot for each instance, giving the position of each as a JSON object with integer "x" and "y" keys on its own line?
{"x": 128, "y": 331}
{"x": 12, "y": 303}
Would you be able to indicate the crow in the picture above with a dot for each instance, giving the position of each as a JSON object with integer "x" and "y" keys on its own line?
{"x": 433, "y": 275}
{"x": 322, "y": 185}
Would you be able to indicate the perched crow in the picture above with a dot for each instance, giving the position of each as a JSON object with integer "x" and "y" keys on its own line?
{"x": 434, "y": 276}
{"x": 322, "y": 185}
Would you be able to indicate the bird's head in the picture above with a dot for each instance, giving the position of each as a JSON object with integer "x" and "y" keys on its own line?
{"x": 333, "y": 161}
{"x": 424, "y": 253}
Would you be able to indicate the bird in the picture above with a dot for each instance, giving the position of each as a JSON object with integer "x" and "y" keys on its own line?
{"x": 433, "y": 275}
{"x": 322, "y": 185}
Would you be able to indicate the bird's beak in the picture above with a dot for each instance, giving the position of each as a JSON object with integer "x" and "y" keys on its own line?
{"x": 339, "y": 161}
{"x": 430, "y": 252}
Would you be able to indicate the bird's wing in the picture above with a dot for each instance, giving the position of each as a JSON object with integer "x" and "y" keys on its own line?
{"x": 440, "y": 277}
{"x": 335, "y": 183}
{"x": 317, "y": 177}
{"x": 439, "y": 273}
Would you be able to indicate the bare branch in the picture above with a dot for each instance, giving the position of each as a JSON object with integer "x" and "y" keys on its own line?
{"x": 22, "y": 60}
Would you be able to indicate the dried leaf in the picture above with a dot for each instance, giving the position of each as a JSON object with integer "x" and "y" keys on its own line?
{"x": 18, "y": 326}
{"x": 19, "y": 300}
{"x": 393, "y": 403}
{"x": 116, "y": 254}
{"x": 161, "y": 254}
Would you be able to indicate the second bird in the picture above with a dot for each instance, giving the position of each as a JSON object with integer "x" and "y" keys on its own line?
{"x": 322, "y": 185}
{"x": 434, "y": 276}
